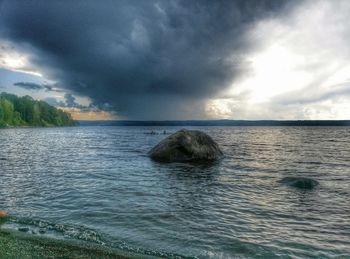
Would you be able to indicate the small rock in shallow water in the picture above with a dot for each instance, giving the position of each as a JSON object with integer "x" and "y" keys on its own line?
{"x": 186, "y": 145}
{"x": 300, "y": 182}
{"x": 3, "y": 214}
{"x": 42, "y": 231}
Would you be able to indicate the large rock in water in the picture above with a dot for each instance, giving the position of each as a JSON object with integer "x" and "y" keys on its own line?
{"x": 299, "y": 182}
{"x": 186, "y": 145}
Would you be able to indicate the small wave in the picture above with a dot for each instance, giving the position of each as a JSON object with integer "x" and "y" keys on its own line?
{"x": 76, "y": 232}
{"x": 57, "y": 230}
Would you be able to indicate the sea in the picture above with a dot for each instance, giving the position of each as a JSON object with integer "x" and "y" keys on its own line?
{"x": 96, "y": 184}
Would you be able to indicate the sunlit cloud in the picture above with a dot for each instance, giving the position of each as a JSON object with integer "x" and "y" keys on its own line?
{"x": 16, "y": 60}
{"x": 299, "y": 68}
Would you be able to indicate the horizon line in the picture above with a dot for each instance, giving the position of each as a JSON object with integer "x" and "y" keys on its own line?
{"x": 223, "y": 122}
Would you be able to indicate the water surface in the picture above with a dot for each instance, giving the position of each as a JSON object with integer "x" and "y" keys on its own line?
{"x": 97, "y": 184}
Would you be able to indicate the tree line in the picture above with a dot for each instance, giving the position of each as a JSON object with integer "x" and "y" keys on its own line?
{"x": 25, "y": 111}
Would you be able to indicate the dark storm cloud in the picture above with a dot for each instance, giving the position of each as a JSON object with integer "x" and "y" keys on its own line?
{"x": 148, "y": 59}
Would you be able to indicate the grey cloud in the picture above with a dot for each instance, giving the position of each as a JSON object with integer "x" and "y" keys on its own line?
{"x": 36, "y": 87}
{"x": 70, "y": 100}
{"x": 52, "y": 88}
{"x": 54, "y": 102}
{"x": 29, "y": 86}
{"x": 314, "y": 94}
{"x": 146, "y": 59}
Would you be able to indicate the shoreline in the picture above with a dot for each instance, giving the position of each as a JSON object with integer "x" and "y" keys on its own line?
{"x": 14, "y": 244}
{"x": 34, "y": 127}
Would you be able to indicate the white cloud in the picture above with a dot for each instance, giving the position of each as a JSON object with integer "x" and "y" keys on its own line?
{"x": 13, "y": 59}
{"x": 300, "y": 68}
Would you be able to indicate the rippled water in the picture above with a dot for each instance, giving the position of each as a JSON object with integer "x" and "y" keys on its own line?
{"x": 97, "y": 184}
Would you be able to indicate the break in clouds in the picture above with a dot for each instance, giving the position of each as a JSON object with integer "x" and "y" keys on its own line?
{"x": 248, "y": 59}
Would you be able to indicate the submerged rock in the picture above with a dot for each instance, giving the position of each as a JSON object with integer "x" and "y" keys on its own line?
{"x": 186, "y": 145}
{"x": 300, "y": 182}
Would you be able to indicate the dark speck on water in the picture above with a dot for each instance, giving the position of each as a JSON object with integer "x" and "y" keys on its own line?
{"x": 300, "y": 182}
{"x": 23, "y": 229}
{"x": 97, "y": 185}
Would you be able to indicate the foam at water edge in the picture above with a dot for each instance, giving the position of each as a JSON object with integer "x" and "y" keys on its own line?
{"x": 74, "y": 232}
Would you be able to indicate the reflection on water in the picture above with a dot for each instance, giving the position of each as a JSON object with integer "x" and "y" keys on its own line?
{"x": 97, "y": 184}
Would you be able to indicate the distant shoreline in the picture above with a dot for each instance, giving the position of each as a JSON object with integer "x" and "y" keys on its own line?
{"x": 322, "y": 123}
{"x": 233, "y": 123}
{"x": 34, "y": 127}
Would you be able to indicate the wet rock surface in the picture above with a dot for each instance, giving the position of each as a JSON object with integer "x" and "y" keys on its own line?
{"x": 185, "y": 146}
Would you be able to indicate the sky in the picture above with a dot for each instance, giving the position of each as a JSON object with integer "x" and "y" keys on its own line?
{"x": 180, "y": 59}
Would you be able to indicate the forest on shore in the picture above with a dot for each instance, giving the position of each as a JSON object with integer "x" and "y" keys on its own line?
{"x": 25, "y": 111}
